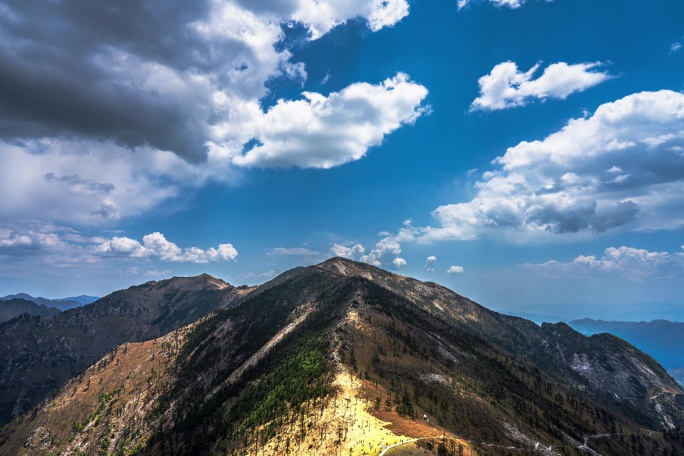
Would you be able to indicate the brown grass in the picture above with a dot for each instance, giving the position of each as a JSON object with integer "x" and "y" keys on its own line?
{"x": 106, "y": 403}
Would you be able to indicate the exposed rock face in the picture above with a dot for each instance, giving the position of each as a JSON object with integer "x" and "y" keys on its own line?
{"x": 662, "y": 339}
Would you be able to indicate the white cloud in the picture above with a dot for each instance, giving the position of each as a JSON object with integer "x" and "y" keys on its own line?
{"x": 9, "y": 239}
{"x": 64, "y": 257}
{"x": 399, "y": 263}
{"x": 430, "y": 263}
{"x": 507, "y": 87}
{"x": 156, "y": 245}
{"x": 386, "y": 253}
{"x": 353, "y": 253}
{"x": 134, "y": 124}
{"x": 320, "y": 16}
{"x": 513, "y": 4}
{"x": 637, "y": 265}
{"x": 621, "y": 168}
{"x": 32, "y": 239}
{"x": 322, "y": 132}
{"x": 455, "y": 270}
{"x": 298, "y": 251}
{"x": 91, "y": 183}
{"x": 674, "y": 47}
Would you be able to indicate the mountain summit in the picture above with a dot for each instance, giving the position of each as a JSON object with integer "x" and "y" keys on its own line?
{"x": 346, "y": 358}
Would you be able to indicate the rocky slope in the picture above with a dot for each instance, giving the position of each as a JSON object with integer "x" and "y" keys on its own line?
{"x": 344, "y": 358}
{"x": 38, "y": 355}
{"x": 662, "y": 339}
{"x": 604, "y": 364}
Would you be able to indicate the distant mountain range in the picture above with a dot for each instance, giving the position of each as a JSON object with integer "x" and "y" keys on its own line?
{"x": 662, "y": 339}
{"x": 12, "y": 308}
{"x": 61, "y": 304}
{"x": 335, "y": 358}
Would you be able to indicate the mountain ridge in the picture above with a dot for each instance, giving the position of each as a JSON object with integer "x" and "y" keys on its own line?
{"x": 12, "y": 308}
{"x": 43, "y": 354}
{"x": 60, "y": 303}
{"x": 346, "y": 357}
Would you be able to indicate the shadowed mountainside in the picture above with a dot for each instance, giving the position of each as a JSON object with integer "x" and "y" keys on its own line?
{"x": 12, "y": 308}
{"x": 39, "y": 355}
{"x": 345, "y": 358}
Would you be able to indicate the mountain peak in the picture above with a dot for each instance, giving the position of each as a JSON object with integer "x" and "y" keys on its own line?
{"x": 347, "y": 268}
{"x": 201, "y": 282}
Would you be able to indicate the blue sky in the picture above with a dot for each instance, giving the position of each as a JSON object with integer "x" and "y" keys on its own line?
{"x": 526, "y": 154}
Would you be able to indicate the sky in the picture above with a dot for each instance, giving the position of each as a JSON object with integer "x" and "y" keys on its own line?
{"x": 527, "y": 154}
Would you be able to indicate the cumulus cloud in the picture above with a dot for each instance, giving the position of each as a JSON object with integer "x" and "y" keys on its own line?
{"x": 109, "y": 111}
{"x": 507, "y": 87}
{"x": 399, "y": 263}
{"x": 386, "y": 253}
{"x": 152, "y": 74}
{"x": 430, "y": 263}
{"x": 455, "y": 270}
{"x": 156, "y": 245}
{"x": 9, "y": 239}
{"x": 353, "y": 253}
{"x": 632, "y": 263}
{"x": 29, "y": 246}
{"x": 29, "y": 239}
{"x": 320, "y": 17}
{"x": 620, "y": 168}
{"x": 676, "y": 46}
{"x": 345, "y": 124}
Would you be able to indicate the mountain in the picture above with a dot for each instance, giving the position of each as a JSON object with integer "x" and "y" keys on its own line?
{"x": 677, "y": 374}
{"x": 662, "y": 339}
{"x": 12, "y": 308}
{"x": 345, "y": 358}
{"x": 38, "y": 355}
{"x": 61, "y": 304}
{"x": 81, "y": 299}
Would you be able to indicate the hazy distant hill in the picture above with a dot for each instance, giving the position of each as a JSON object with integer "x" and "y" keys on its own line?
{"x": 12, "y": 308}
{"x": 61, "y": 304}
{"x": 662, "y": 339}
{"x": 345, "y": 358}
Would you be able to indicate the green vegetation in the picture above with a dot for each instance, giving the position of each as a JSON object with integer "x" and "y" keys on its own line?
{"x": 220, "y": 414}
{"x": 291, "y": 383}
